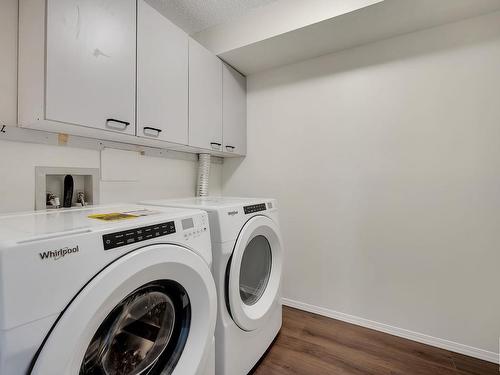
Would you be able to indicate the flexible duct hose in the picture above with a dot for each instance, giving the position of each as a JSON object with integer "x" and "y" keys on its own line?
{"x": 203, "y": 175}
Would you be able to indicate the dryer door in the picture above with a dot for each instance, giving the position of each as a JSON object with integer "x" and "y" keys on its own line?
{"x": 153, "y": 311}
{"x": 255, "y": 273}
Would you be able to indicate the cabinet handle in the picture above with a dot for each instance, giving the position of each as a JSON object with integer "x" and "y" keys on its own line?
{"x": 158, "y": 131}
{"x": 215, "y": 145}
{"x": 230, "y": 148}
{"x": 110, "y": 121}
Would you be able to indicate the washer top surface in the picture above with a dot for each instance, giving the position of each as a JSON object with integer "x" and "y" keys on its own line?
{"x": 44, "y": 224}
{"x": 209, "y": 203}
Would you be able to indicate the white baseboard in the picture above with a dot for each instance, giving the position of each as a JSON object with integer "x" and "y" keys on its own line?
{"x": 400, "y": 332}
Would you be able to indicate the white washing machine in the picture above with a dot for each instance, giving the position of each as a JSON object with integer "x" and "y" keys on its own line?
{"x": 107, "y": 290}
{"x": 247, "y": 264}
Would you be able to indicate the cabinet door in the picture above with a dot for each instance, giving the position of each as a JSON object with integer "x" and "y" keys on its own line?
{"x": 234, "y": 111}
{"x": 205, "y": 98}
{"x": 162, "y": 77}
{"x": 90, "y": 72}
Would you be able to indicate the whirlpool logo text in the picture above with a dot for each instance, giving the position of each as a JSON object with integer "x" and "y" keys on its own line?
{"x": 58, "y": 254}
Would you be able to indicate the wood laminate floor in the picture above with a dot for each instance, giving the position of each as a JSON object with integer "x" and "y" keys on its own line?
{"x": 310, "y": 344}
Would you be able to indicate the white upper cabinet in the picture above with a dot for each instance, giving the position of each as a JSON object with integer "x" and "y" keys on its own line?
{"x": 205, "y": 98}
{"x": 234, "y": 111}
{"x": 162, "y": 77}
{"x": 90, "y": 71}
{"x": 119, "y": 70}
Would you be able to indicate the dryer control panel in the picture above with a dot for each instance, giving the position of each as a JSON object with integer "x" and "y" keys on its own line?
{"x": 131, "y": 236}
{"x": 254, "y": 208}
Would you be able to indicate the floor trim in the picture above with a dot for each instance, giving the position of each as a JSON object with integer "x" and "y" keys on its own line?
{"x": 400, "y": 332}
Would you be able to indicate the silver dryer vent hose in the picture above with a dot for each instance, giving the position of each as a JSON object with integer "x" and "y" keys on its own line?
{"x": 203, "y": 175}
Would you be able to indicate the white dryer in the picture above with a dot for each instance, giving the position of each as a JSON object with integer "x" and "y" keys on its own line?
{"x": 106, "y": 290}
{"x": 247, "y": 265}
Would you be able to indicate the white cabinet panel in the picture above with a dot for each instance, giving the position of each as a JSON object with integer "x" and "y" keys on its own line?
{"x": 91, "y": 63}
{"x": 205, "y": 98}
{"x": 162, "y": 77}
{"x": 234, "y": 111}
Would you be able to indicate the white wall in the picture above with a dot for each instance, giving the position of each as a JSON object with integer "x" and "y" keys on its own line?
{"x": 156, "y": 177}
{"x": 8, "y": 61}
{"x": 386, "y": 162}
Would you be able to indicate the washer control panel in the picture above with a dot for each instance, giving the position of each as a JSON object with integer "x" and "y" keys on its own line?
{"x": 194, "y": 227}
{"x": 254, "y": 208}
{"x": 131, "y": 236}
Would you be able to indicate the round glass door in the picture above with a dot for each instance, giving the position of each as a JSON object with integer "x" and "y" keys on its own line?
{"x": 254, "y": 273}
{"x": 144, "y": 334}
{"x": 255, "y": 270}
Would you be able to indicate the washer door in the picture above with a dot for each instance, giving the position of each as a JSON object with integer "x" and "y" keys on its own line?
{"x": 255, "y": 272}
{"x": 153, "y": 311}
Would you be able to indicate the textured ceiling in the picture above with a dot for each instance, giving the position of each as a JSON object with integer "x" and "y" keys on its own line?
{"x": 197, "y": 15}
